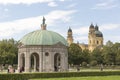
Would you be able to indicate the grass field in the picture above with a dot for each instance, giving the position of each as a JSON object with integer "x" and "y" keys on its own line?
{"x": 84, "y": 78}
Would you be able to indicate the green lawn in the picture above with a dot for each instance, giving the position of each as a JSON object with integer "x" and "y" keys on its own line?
{"x": 84, "y": 78}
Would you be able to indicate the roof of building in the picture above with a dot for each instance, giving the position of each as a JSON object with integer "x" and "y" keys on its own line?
{"x": 69, "y": 30}
{"x": 91, "y": 26}
{"x": 98, "y": 34}
{"x": 43, "y": 37}
{"x": 96, "y": 27}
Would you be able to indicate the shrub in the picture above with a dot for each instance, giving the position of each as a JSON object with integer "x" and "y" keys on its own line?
{"x": 84, "y": 64}
{"x": 93, "y": 63}
{"x": 26, "y": 76}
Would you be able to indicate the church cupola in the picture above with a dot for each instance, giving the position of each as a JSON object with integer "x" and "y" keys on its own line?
{"x": 43, "y": 25}
{"x": 96, "y": 28}
{"x": 69, "y": 30}
{"x": 91, "y": 26}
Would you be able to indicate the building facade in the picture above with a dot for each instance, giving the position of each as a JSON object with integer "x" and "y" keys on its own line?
{"x": 43, "y": 51}
{"x": 95, "y": 38}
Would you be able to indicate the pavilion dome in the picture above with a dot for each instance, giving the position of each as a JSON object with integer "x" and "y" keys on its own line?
{"x": 42, "y": 37}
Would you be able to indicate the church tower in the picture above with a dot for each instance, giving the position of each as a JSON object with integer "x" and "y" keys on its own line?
{"x": 91, "y": 36}
{"x": 99, "y": 37}
{"x": 95, "y": 37}
{"x": 69, "y": 37}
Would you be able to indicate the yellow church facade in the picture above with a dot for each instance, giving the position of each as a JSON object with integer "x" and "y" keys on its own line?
{"x": 95, "y": 38}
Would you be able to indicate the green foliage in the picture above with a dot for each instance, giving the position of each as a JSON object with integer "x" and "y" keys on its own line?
{"x": 77, "y": 55}
{"x": 85, "y": 56}
{"x": 8, "y": 51}
{"x": 93, "y": 63}
{"x": 74, "y": 54}
{"x": 97, "y": 56}
{"x": 112, "y": 54}
{"x": 109, "y": 44}
{"x": 84, "y": 64}
{"x": 109, "y": 55}
{"x": 26, "y": 76}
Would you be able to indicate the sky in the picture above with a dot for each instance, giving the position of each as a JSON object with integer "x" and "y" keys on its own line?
{"x": 19, "y": 17}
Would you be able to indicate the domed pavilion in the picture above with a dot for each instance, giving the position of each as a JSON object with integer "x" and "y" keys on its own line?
{"x": 43, "y": 51}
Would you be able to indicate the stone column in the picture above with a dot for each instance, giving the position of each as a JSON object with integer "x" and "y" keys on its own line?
{"x": 27, "y": 62}
{"x": 52, "y": 61}
{"x": 66, "y": 59}
{"x": 19, "y": 62}
{"x": 62, "y": 61}
{"x": 40, "y": 62}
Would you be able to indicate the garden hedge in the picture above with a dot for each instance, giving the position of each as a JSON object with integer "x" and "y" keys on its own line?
{"x": 27, "y": 76}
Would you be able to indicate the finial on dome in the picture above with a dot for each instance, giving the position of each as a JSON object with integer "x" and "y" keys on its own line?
{"x": 43, "y": 20}
{"x": 43, "y": 25}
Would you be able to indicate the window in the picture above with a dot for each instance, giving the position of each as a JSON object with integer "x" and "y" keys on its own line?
{"x": 97, "y": 42}
{"x": 90, "y": 41}
{"x": 46, "y": 54}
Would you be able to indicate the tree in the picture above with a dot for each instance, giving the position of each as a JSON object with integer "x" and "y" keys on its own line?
{"x": 116, "y": 50}
{"x": 85, "y": 56}
{"x": 109, "y": 43}
{"x": 74, "y": 54}
{"x": 8, "y": 51}
{"x": 111, "y": 53}
{"x": 97, "y": 55}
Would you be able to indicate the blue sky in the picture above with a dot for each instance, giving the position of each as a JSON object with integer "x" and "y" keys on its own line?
{"x": 19, "y": 17}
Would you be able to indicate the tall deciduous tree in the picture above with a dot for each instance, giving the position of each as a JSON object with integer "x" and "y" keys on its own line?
{"x": 74, "y": 54}
{"x": 8, "y": 51}
{"x": 112, "y": 54}
{"x": 97, "y": 55}
{"x": 86, "y": 55}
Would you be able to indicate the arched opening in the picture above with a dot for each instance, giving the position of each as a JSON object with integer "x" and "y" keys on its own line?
{"x": 34, "y": 59}
{"x": 57, "y": 62}
{"x": 22, "y": 62}
{"x": 97, "y": 42}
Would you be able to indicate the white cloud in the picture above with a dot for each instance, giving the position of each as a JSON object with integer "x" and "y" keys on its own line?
{"x": 62, "y": 0}
{"x": 6, "y": 10}
{"x": 81, "y": 39}
{"x": 59, "y": 15}
{"x": 108, "y": 4}
{"x": 81, "y": 30}
{"x": 52, "y": 4}
{"x": 71, "y": 5}
{"x": 105, "y": 27}
{"x": 24, "y": 1}
{"x": 81, "y": 34}
{"x": 113, "y": 38}
{"x": 23, "y": 26}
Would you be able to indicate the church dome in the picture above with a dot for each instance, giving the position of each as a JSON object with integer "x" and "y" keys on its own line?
{"x": 91, "y": 26}
{"x": 98, "y": 34}
{"x": 69, "y": 30}
{"x": 42, "y": 37}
